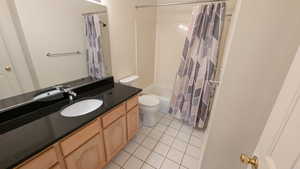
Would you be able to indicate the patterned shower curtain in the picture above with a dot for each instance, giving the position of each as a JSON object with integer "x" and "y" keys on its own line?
{"x": 95, "y": 58}
{"x": 192, "y": 89}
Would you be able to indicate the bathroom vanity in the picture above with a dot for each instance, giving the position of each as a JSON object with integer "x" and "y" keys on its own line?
{"x": 44, "y": 139}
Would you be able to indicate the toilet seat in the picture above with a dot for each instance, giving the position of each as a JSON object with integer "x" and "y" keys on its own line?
{"x": 148, "y": 100}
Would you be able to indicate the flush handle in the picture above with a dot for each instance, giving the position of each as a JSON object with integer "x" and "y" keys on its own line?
{"x": 253, "y": 161}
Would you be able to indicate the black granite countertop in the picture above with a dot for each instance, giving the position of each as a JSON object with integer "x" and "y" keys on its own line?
{"x": 24, "y": 98}
{"x": 23, "y": 136}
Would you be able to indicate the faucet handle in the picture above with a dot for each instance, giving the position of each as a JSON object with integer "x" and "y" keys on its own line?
{"x": 73, "y": 93}
{"x": 59, "y": 87}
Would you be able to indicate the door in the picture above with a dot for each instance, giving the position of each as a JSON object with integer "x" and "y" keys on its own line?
{"x": 88, "y": 156}
{"x": 9, "y": 85}
{"x": 115, "y": 137}
{"x": 278, "y": 147}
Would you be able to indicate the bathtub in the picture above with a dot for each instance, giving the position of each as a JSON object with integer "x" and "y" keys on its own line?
{"x": 164, "y": 95}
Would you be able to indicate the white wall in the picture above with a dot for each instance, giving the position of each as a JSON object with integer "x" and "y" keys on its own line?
{"x": 55, "y": 26}
{"x": 121, "y": 15}
{"x": 146, "y": 33}
{"x": 262, "y": 43}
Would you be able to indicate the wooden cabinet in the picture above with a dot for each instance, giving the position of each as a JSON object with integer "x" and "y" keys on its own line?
{"x": 44, "y": 160}
{"x": 115, "y": 137}
{"x": 132, "y": 122}
{"x": 95, "y": 144}
{"x": 56, "y": 167}
{"x": 90, "y": 155}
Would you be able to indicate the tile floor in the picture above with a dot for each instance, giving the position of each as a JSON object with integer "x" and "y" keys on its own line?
{"x": 168, "y": 145}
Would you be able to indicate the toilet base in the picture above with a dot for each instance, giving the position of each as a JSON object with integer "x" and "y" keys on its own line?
{"x": 149, "y": 115}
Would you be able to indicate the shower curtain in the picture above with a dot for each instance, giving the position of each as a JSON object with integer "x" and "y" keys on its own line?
{"x": 95, "y": 58}
{"x": 192, "y": 89}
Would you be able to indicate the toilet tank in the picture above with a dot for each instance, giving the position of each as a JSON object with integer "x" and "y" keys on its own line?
{"x": 129, "y": 80}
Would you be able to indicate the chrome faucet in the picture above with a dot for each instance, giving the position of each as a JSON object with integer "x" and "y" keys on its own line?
{"x": 68, "y": 91}
{"x": 71, "y": 94}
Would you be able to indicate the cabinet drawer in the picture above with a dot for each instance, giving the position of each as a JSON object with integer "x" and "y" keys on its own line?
{"x": 79, "y": 137}
{"x": 113, "y": 115}
{"x": 131, "y": 102}
{"x": 45, "y": 160}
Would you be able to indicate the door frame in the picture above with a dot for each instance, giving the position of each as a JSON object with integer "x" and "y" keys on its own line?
{"x": 11, "y": 33}
{"x": 281, "y": 113}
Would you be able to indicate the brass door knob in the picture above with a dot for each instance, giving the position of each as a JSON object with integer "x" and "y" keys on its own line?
{"x": 8, "y": 68}
{"x": 253, "y": 161}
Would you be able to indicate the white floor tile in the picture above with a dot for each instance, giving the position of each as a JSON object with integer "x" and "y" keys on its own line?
{"x": 112, "y": 165}
{"x": 198, "y": 133}
{"x": 169, "y": 116}
{"x": 171, "y": 132}
{"x": 165, "y": 122}
{"x": 182, "y": 167}
{"x": 149, "y": 143}
{"x": 139, "y": 138}
{"x": 168, "y": 164}
{"x": 133, "y": 163}
{"x": 155, "y": 160}
{"x": 147, "y": 166}
{"x": 176, "y": 125}
{"x": 155, "y": 134}
{"x": 121, "y": 158}
{"x": 179, "y": 145}
{"x": 175, "y": 155}
{"x": 162, "y": 148}
{"x": 195, "y": 141}
{"x": 186, "y": 129}
{"x": 193, "y": 151}
{"x": 131, "y": 147}
{"x": 160, "y": 127}
{"x": 190, "y": 162}
{"x": 142, "y": 153}
{"x": 183, "y": 137}
{"x": 167, "y": 139}
{"x": 145, "y": 130}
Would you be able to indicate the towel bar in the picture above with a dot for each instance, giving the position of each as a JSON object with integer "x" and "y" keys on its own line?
{"x": 66, "y": 53}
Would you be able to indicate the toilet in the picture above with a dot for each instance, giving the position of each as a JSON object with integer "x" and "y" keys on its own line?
{"x": 148, "y": 103}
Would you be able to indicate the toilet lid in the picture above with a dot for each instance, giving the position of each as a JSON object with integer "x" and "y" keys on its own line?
{"x": 149, "y": 100}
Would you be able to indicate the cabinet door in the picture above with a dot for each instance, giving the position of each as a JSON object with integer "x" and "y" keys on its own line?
{"x": 88, "y": 156}
{"x": 132, "y": 122}
{"x": 115, "y": 137}
{"x": 56, "y": 167}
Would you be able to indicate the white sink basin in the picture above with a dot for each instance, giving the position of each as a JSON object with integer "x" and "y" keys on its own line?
{"x": 81, "y": 108}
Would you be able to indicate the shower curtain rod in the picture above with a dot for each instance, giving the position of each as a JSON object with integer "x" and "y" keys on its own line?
{"x": 91, "y": 13}
{"x": 180, "y": 3}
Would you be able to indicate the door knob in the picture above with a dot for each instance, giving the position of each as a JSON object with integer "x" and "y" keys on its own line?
{"x": 253, "y": 161}
{"x": 8, "y": 68}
